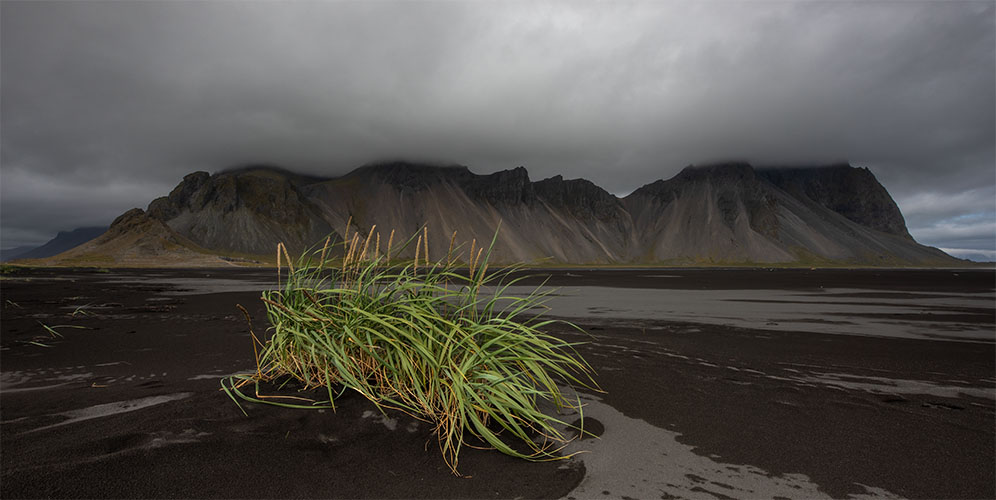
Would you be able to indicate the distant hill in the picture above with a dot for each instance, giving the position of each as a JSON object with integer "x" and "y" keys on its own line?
{"x": 62, "y": 242}
{"x": 13, "y": 253}
{"x": 718, "y": 214}
{"x": 135, "y": 239}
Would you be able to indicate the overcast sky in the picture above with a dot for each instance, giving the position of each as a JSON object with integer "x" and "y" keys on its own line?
{"x": 106, "y": 105}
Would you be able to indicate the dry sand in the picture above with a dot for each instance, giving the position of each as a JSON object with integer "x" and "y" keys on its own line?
{"x": 694, "y": 408}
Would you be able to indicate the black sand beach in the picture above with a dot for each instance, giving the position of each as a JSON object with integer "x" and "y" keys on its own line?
{"x": 130, "y": 406}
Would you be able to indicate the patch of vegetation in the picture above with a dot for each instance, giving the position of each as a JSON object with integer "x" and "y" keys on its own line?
{"x": 242, "y": 258}
{"x": 450, "y": 348}
{"x": 87, "y": 261}
{"x": 52, "y": 329}
{"x": 82, "y": 311}
{"x": 10, "y": 269}
{"x": 239, "y": 260}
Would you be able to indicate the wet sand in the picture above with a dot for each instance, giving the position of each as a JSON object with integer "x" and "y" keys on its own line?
{"x": 130, "y": 407}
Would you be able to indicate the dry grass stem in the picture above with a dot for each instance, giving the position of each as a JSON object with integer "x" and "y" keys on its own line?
{"x": 418, "y": 245}
{"x": 449, "y": 251}
{"x": 470, "y": 259}
{"x": 366, "y": 243}
{"x": 345, "y": 234}
{"x": 325, "y": 249}
{"x": 425, "y": 240}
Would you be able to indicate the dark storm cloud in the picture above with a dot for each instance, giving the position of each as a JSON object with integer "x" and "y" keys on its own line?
{"x": 107, "y": 105}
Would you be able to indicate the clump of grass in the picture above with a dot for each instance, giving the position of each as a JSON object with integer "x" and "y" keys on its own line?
{"x": 443, "y": 344}
{"x": 52, "y": 329}
{"x": 83, "y": 310}
{"x": 10, "y": 269}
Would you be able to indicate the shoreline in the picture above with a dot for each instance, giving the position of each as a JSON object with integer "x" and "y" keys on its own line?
{"x": 836, "y": 415}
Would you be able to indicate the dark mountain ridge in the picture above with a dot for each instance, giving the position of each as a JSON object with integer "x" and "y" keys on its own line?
{"x": 63, "y": 241}
{"x": 852, "y": 192}
{"x": 724, "y": 213}
{"x": 734, "y": 212}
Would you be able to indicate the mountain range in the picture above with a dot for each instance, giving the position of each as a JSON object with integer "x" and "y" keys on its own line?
{"x": 719, "y": 214}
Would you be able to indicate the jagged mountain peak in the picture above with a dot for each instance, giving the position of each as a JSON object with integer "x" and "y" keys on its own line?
{"x": 128, "y": 220}
{"x": 503, "y": 187}
{"x": 246, "y": 210}
{"x": 739, "y": 175}
{"x": 850, "y": 191}
{"x": 580, "y": 196}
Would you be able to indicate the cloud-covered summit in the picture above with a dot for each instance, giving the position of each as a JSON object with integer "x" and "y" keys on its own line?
{"x": 107, "y": 104}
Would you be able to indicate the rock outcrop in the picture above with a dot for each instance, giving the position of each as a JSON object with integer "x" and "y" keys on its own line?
{"x": 245, "y": 211}
{"x": 854, "y": 193}
{"x": 580, "y": 197}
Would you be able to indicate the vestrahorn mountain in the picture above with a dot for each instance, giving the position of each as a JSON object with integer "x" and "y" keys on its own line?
{"x": 720, "y": 214}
